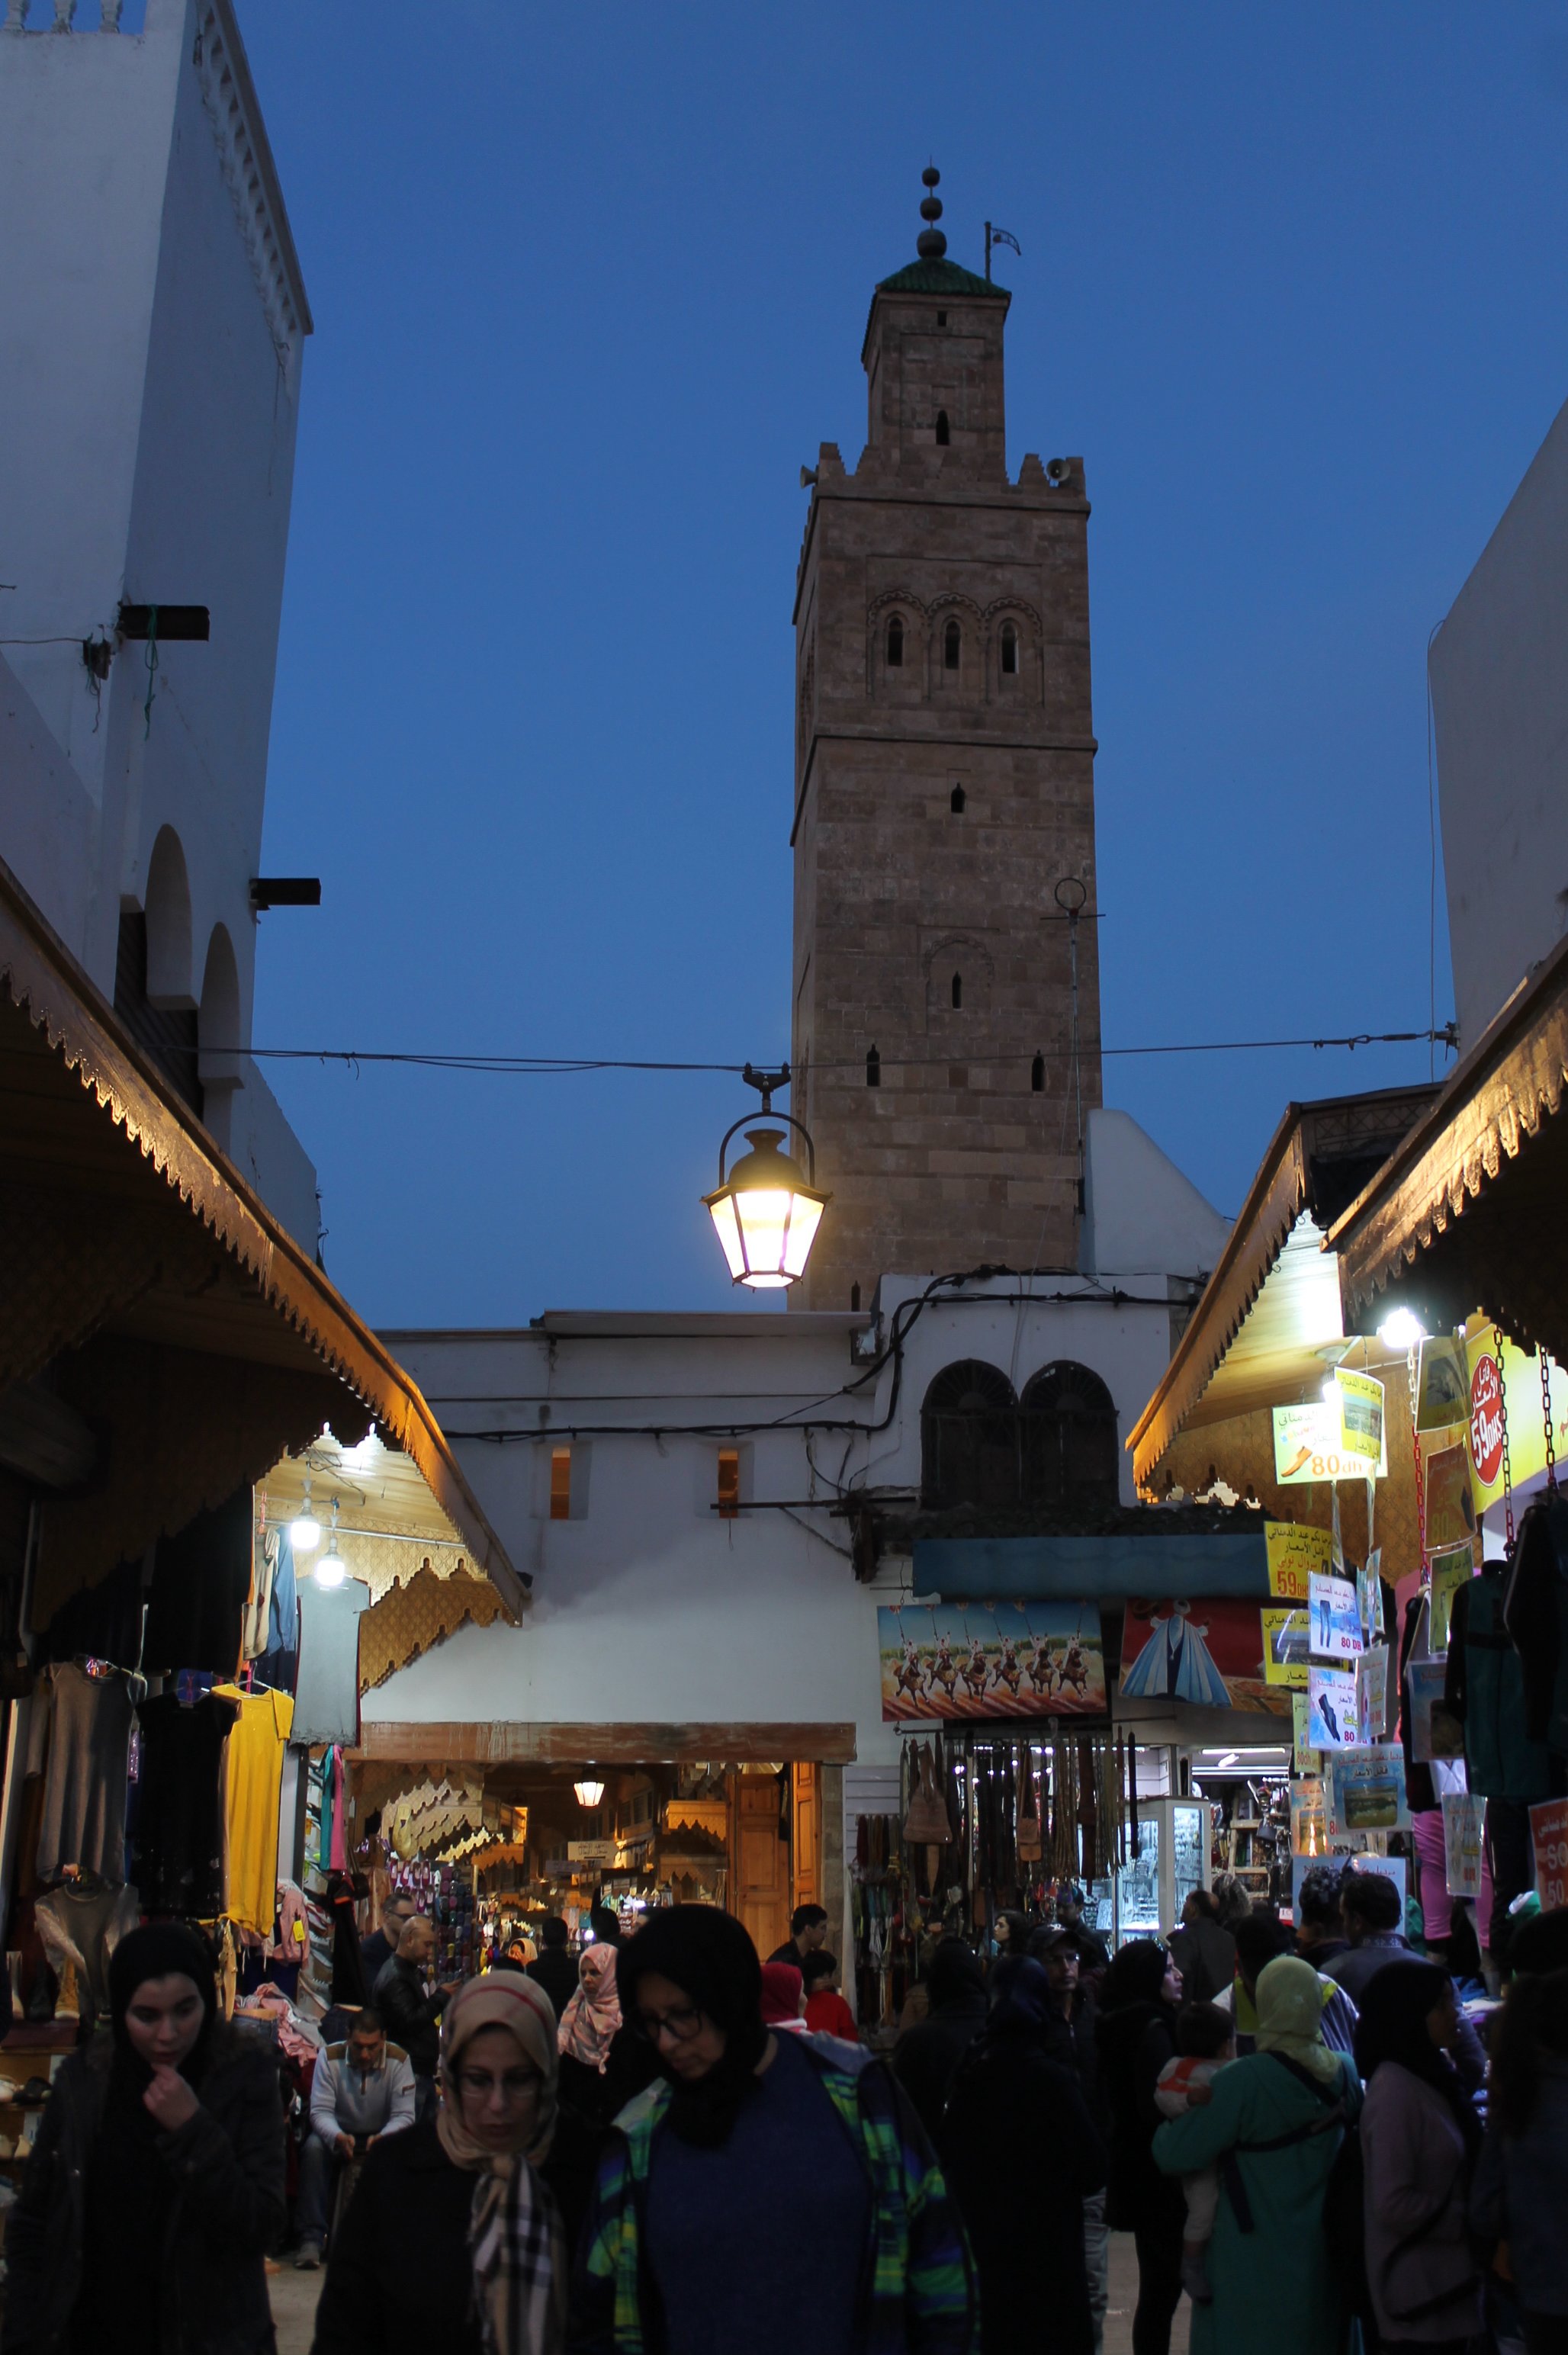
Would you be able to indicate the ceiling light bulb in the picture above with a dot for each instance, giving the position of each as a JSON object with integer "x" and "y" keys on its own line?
{"x": 331, "y": 1570}
{"x": 1403, "y": 1330}
{"x": 305, "y": 1530}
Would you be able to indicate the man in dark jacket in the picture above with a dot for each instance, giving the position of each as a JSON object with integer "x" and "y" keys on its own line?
{"x": 807, "y": 1935}
{"x": 382, "y": 1945}
{"x": 1320, "y": 1937}
{"x": 1070, "y": 2039}
{"x": 554, "y": 1969}
{"x": 411, "y": 2018}
{"x": 926, "y": 2055}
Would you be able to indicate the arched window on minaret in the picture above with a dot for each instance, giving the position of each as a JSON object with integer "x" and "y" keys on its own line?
{"x": 952, "y": 646}
{"x": 1010, "y": 650}
{"x": 957, "y": 991}
{"x": 956, "y": 803}
{"x": 895, "y": 642}
{"x": 944, "y": 435}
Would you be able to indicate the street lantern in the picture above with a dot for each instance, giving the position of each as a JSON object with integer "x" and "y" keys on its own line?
{"x": 767, "y": 1210}
{"x": 589, "y": 1792}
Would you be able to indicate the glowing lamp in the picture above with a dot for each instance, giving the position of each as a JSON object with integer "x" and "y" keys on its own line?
{"x": 589, "y": 1793}
{"x": 1403, "y": 1330}
{"x": 305, "y": 1530}
{"x": 766, "y": 1211}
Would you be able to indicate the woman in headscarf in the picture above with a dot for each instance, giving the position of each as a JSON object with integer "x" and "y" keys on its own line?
{"x": 454, "y": 2238}
{"x": 768, "y": 2184}
{"x": 156, "y": 2187}
{"x": 1136, "y": 2037}
{"x": 1420, "y": 2141}
{"x": 602, "y": 2064}
{"x": 1021, "y": 2155}
{"x": 1272, "y": 2124}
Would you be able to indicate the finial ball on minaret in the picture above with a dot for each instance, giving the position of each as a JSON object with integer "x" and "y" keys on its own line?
{"x": 931, "y": 244}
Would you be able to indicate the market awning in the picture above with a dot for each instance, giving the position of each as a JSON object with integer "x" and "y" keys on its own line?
{"x": 1467, "y": 1212}
{"x": 1269, "y": 1319}
{"x": 1153, "y": 1566}
{"x": 173, "y": 1313}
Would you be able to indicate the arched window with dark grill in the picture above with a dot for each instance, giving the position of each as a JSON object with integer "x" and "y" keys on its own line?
{"x": 952, "y": 646}
{"x": 895, "y": 642}
{"x": 1010, "y": 650}
{"x": 1069, "y": 1440}
{"x": 969, "y": 1438}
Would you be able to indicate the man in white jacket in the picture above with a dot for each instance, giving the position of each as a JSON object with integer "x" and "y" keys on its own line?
{"x": 362, "y": 2090}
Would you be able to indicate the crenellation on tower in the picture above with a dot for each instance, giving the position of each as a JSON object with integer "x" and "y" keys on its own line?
{"x": 943, "y": 789}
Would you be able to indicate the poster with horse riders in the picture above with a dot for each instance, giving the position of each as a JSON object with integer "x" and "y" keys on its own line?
{"x": 955, "y": 1661}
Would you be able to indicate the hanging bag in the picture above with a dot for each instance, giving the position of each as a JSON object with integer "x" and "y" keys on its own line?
{"x": 926, "y": 1823}
{"x": 1031, "y": 1846}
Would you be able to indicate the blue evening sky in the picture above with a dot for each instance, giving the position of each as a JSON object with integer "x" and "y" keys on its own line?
{"x": 590, "y": 284}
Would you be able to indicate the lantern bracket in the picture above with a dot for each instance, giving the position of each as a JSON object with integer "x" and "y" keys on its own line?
{"x": 766, "y": 1084}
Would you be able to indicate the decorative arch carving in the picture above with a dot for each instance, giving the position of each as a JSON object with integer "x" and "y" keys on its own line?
{"x": 911, "y": 674}
{"x": 166, "y": 902}
{"x": 956, "y": 953}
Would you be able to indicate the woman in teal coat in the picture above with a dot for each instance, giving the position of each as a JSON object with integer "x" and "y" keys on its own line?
{"x": 1273, "y": 2124}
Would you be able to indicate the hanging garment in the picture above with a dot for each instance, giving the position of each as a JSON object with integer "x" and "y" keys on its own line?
{"x": 1535, "y": 1612}
{"x": 254, "y": 1632}
{"x": 326, "y": 1694}
{"x": 80, "y": 1925}
{"x": 347, "y": 1969}
{"x": 201, "y": 1577}
{"x": 1414, "y": 1644}
{"x": 252, "y": 1780}
{"x": 179, "y": 1816}
{"x": 80, "y": 1741}
{"x": 337, "y": 1853}
{"x": 1484, "y": 1689}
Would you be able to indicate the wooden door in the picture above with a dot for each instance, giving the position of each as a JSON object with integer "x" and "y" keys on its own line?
{"x": 762, "y": 1896}
{"x": 807, "y": 1816}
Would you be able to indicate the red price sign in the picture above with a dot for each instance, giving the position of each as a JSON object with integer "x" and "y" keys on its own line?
{"x": 1486, "y": 1421}
{"x": 1549, "y": 1837}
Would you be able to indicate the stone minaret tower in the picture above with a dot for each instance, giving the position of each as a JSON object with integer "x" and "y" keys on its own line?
{"x": 944, "y": 813}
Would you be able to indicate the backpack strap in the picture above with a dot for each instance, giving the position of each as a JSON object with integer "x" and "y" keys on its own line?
{"x": 1334, "y": 2115}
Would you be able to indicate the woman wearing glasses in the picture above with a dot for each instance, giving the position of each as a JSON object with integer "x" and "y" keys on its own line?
{"x": 768, "y": 2187}
{"x": 454, "y": 2238}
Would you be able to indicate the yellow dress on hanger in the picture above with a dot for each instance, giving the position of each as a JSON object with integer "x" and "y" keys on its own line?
{"x": 252, "y": 1782}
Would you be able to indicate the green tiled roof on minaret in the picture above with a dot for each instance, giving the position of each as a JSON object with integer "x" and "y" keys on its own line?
{"x": 934, "y": 274}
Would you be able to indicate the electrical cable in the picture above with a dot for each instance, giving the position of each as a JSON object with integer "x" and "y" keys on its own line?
{"x": 565, "y": 1066}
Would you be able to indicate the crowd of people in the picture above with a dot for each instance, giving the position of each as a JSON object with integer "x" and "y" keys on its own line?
{"x": 660, "y": 2145}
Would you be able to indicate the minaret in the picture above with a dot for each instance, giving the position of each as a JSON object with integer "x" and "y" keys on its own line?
{"x": 944, "y": 812}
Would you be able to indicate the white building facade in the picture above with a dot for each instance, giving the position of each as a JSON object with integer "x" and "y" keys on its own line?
{"x": 155, "y": 322}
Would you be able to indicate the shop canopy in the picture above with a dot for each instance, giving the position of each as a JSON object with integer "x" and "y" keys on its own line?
{"x": 188, "y": 1341}
{"x": 1151, "y": 1565}
{"x": 1467, "y": 1211}
{"x": 1269, "y": 1323}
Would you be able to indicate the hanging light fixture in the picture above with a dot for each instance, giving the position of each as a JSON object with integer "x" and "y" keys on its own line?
{"x": 305, "y": 1530}
{"x": 332, "y": 1570}
{"x": 589, "y": 1792}
{"x": 767, "y": 1210}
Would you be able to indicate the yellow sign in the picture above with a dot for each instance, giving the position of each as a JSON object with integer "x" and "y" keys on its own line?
{"x": 1287, "y": 1645}
{"x": 1304, "y": 1759}
{"x": 1505, "y": 1387}
{"x": 1360, "y": 1418}
{"x": 1293, "y": 1553}
{"x": 1309, "y": 1446}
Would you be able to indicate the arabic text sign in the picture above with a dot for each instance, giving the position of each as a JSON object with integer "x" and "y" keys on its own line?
{"x": 1286, "y": 1643}
{"x": 1307, "y": 1446}
{"x": 1336, "y": 1619}
{"x": 1331, "y": 1720}
{"x": 1293, "y": 1553}
{"x": 1369, "y": 1788}
{"x": 1360, "y": 1419}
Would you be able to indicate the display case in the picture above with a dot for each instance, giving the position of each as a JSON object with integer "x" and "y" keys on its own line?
{"x": 1169, "y": 1857}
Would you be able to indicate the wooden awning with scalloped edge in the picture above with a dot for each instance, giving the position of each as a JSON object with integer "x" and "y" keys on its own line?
{"x": 172, "y": 1311}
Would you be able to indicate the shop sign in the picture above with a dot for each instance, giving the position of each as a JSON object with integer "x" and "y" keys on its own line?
{"x": 1371, "y": 1693}
{"x": 1293, "y": 1554}
{"x": 1486, "y": 1421}
{"x": 1360, "y": 1412}
{"x": 1309, "y": 1446}
{"x": 591, "y": 1851}
{"x": 1304, "y": 1759}
{"x": 1435, "y": 1733}
{"x": 1287, "y": 1644}
{"x": 1450, "y": 1571}
{"x": 1368, "y": 1786}
{"x": 1463, "y": 1816}
{"x": 1331, "y": 1719}
{"x": 1549, "y": 1837}
{"x": 1209, "y": 1652}
{"x": 1509, "y": 1377}
{"x": 1442, "y": 1386}
{"x": 1336, "y": 1619}
{"x": 991, "y": 1660}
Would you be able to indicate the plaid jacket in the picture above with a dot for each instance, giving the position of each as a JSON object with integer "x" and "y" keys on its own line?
{"x": 918, "y": 2294}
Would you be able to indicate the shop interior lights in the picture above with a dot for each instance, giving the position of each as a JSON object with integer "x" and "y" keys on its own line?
{"x": 332, "y": 1570}
{"x": 767, "y": 1210}
{"x": 589, "y": 1792}
{"x": 305, "y": 1530}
